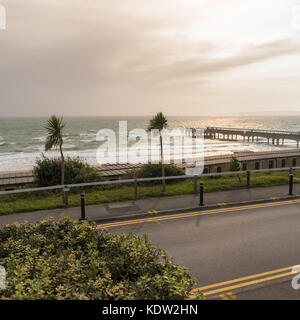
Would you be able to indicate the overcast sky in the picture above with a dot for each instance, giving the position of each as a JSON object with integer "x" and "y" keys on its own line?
{"x": 137, "y": 57}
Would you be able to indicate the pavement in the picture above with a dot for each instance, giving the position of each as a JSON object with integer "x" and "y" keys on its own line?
{"x": 141, "y": 208}
{"x": 244, "y": 252}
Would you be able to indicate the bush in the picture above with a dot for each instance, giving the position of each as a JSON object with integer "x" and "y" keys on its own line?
{"x": 70, "y": 260}
{"x": 47, "y": 172}
{"x": 153, "y": 170}
{"x": 234, "y": 164}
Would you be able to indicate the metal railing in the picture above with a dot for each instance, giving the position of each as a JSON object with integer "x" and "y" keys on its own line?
{"x": 67, "y": 188}
{"x": 135, "y": 181}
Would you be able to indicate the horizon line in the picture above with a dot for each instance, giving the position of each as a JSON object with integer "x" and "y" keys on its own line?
{"x": 145, "y": 116}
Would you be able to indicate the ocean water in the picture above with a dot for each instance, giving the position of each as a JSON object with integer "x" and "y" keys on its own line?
{"x": 22, "y": 139}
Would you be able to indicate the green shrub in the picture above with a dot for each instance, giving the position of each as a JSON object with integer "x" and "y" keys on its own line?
{"x": 235, "y": 165}
{"x": 70, "y": 260}
{"x": 47, "y": 172}
{"x": 153, "y": 170}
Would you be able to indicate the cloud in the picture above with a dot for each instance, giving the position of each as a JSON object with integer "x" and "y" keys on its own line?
{"x": 75, "y": 56}
{"x": 199, "y": 67}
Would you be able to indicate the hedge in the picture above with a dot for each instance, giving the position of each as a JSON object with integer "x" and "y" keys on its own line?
{"x": 74, "y": 261}
{"x": 153, "y": 170}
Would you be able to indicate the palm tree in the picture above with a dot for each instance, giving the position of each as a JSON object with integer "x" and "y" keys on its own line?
{"x": 160, "y": 122}
{"x": 54, "y": 127}
{"x": 235, "y": 166}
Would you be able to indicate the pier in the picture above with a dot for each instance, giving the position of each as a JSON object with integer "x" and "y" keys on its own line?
{"x": 274, "y": 137}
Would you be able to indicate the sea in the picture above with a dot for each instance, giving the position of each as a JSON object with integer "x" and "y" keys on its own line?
{"x": 22, "y": 139}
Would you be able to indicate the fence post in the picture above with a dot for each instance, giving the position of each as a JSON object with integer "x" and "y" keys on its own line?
{"x": 201, "y": 194}
{"x": 135, "y": 189}
{"x": 82, "y": 198}
{"x": 66, "y": 196}
{"x": 195, "y": 184}
{"x": 248, "y": 179}
{"x": 291, "y": 184}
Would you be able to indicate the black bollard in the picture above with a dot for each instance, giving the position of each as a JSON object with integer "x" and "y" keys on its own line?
{"x": 248, "y": 179}
{"x": 291, "y": 184}
{"x": 82, "y": 197}
{"x": 201, "y": 194}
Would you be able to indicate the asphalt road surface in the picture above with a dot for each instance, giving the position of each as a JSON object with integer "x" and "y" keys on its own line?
{"x": 245, "y": 252}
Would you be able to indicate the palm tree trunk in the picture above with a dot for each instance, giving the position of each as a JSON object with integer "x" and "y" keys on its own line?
{"x": 162, "y": 165}
{"x": 62, "y": 170}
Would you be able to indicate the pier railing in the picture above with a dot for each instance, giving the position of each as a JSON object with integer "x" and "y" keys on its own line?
{"x": 247, "y": 130}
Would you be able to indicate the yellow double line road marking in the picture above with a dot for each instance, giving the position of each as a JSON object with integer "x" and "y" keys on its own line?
{"x": 242, "y": 282}
{"x": 198, "y": 213}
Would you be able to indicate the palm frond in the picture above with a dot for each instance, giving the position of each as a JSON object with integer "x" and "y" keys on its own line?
{"x": 54, "y": 127}
{"x": 158, "y": 122}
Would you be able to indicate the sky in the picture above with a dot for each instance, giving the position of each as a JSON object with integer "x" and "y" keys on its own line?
{"x": 139, "y": 57}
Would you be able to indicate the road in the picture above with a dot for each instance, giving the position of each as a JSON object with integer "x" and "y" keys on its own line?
{"x": 244, "y": 252}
